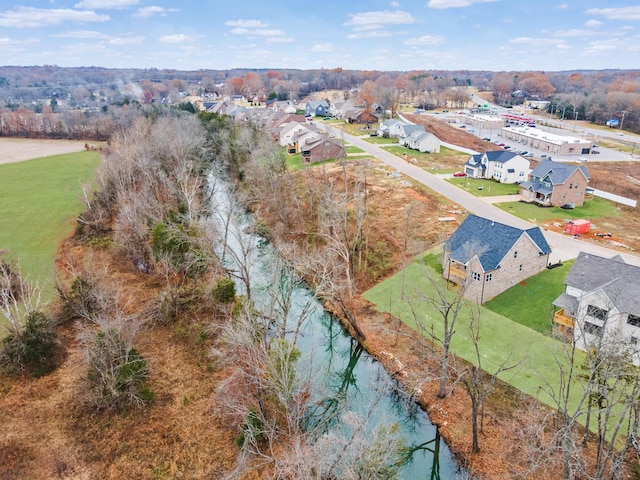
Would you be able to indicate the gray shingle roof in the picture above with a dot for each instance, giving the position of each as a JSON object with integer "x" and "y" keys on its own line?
{"x": 557, "y": 173}
{"x": 620, "y": 281}
{"x": 498, "y": 156}
{"x": 490, "y": 240}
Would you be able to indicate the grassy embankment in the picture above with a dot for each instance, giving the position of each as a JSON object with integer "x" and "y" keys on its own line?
{"x": 523, "y": 338}
{"x": 39, "y": 202}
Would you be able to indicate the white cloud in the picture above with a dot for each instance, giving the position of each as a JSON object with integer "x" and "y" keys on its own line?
{"x": 455, "y": 3}
{"x": 279, "y": 40}
{"x": 603, "y": 47}
{"x": 369, "y": 34}
{"x": 29, "y": 17}
{"x": 425, "y": 40}
{"x": 105, "y": 4}
{"x": 576, "y": 32}
{"x": 621, "y": 13}
{"x": 82, "y": 34}
{"x": 385, "y": 17}
{"x": 178, "y": 38}
{"x": 593, "y": 23}
{"x": 562, "y": 6}
{"x": 146, "y": 12}
{"x": 126, "y": 40}
{"x": 246, "y": 23}
{"x": 534, "y": 43}
{"x": 395, "y": 4}
{"x": 323, "y": 47}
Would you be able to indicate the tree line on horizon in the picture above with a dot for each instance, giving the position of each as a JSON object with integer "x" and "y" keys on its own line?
{"x": 82, "y": 102}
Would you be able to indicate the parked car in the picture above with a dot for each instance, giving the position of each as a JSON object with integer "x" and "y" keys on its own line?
{"x": 459, "y": 174}
{"x": 524, "y": 153}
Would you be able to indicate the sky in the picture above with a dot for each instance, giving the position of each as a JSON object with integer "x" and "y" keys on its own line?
{"x": 378, "y": 35}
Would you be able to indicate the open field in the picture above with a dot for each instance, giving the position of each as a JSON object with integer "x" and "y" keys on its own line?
{"x": 39, "y": 201}
{"x": 20, "y": 149}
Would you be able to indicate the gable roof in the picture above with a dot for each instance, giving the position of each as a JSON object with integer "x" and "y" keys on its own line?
{"x": 490, "y": 241}
{"x": 497, "y": 156}
{"x": 555, "y": 172}
{"x": 409, "y": 129}
{"x": 620, "y": 281}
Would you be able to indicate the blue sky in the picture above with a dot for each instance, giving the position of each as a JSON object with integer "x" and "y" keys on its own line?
{"x": 352, "y": 34}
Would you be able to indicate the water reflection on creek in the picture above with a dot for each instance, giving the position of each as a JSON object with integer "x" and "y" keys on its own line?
{"x": 350, "y": 377}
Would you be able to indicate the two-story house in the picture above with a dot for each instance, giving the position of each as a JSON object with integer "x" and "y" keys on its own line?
{"x": 316, "y": 108}
{"x": 499, "y": 165}
{"x": 486, "y": 257}
{"x": 601, "y": 303}
{"x": 553, "y": 184}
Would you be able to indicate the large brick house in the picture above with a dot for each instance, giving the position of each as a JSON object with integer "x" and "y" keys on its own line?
{"x": 553, "y": 184}
{"x": 486, "y": 257}
{"x": 601, "y": 303}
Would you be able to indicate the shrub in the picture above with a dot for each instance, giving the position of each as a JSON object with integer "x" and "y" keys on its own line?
{"x": 224, "y": 291}
{"x": 116, "y": 372}
{"x": 32, "y": 349}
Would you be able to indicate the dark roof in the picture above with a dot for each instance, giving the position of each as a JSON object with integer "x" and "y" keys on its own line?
{"x": 490, "y": 241}
{"x": 557, "y": 173}
{"x": 499, "y": 156}
{"x": 618, "y": 280}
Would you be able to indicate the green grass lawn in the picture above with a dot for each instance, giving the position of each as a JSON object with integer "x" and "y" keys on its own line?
{"x": 593, "y": 208}
{"x": 39, "y": 202}
{"x": 381, "y": 140}
{"x": 530, "y": 302}
{"x": 353, "y": 149}
{"x": 501, "y": 338}
{"x": 484, "y": 188}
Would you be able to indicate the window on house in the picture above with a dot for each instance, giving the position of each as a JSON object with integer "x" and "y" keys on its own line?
{"x": 633, "y": 320}
{"x": 597, "y": 312}
{"x": 592, "y": 328}
{"x": 571, "y": 185}
{"x": 634, "y": 341}
{"x": 515, "y": 254}
{"x": 489, "y": 277}
{"x": 520, "y": 269}
{"x": 475, "y": 275}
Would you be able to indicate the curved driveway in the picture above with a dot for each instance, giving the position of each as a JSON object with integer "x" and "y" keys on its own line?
{"x": 564, "y": 247}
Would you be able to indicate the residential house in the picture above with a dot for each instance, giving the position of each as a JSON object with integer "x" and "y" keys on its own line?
{"x": 390, "y": 128}
{"x": 601, "y": 304}
{"x": 286, "y": 134}
{"x": 316, "y": 108}
{"x": 499, "y": 165}
{"x": 486, "y": 257}
{"x": 339, "y": 109}
{"x": 319, "y": 148}
{"x": 360, "y": 115}
{"x": 554, "y": 184}
{"x": 421, "y": 140}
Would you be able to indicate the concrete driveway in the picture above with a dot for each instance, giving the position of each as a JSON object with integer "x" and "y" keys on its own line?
{"x": 564, "y": 247}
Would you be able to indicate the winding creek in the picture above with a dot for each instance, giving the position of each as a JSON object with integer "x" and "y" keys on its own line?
{"x": 350, "y": 376}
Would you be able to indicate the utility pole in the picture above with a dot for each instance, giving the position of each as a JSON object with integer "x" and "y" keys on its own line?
{"x": 624, "y": 112}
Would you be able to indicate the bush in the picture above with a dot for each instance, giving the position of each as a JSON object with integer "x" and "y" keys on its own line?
{"x": 224, "y": 291}
{"x": 116, "y": 372}
{"x": 33, "y": 349}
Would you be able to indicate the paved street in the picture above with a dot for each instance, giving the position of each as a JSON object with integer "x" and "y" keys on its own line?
{"x": 564, "y": 246}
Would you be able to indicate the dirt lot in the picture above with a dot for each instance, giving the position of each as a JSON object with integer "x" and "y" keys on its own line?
{"x": 20, "y": 149}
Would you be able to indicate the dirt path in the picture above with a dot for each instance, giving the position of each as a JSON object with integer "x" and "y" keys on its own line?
{"x": 20, "y": 149}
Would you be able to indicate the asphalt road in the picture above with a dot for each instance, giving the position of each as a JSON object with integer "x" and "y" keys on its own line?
{"x": 564, "y": 247}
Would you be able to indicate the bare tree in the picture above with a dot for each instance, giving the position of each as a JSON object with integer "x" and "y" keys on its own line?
{"x": 478, "y": 383}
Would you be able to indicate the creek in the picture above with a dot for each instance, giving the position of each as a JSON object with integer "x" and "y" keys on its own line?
{"x": 351, "y": 378}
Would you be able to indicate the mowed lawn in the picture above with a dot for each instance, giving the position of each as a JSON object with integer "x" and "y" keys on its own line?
{"x": 39, "y": 202}
{"x": 501, "y": 339}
